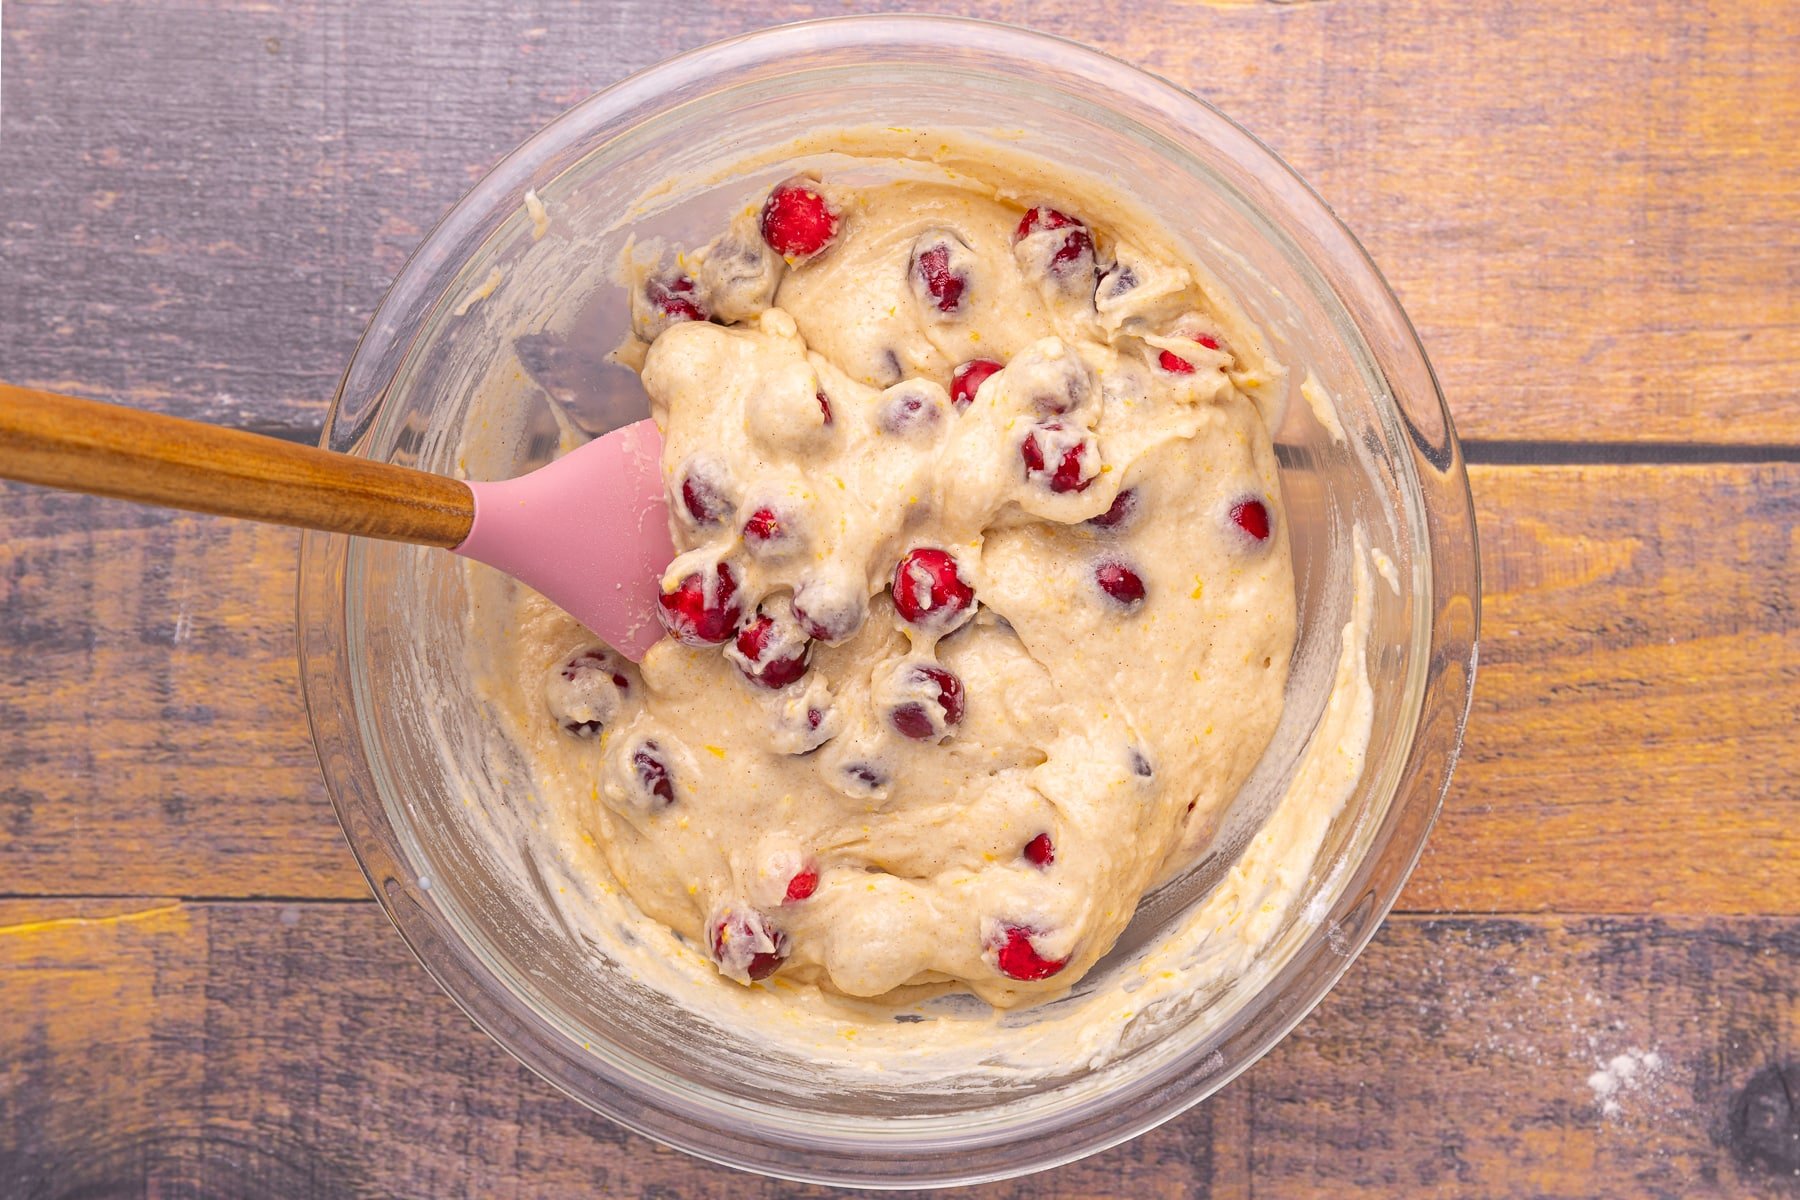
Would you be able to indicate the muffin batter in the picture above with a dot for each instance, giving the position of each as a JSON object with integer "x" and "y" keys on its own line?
{"x": 984, "y": 606}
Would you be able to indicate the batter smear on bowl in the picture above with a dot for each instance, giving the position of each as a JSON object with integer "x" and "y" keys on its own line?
{"x": 983, "y": 605}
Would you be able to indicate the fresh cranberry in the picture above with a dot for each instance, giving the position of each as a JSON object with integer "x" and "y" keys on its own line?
{"x": 763, "y": 526}
{"x": 967, "y": 379}
{"x": 909, "y": 411}
{"x": 674, "y": 298}
{"x": 1039, "y": 852}
{"x": 1251, "y": 516}
{"x": 828, "y": 612}
{"x": 1067, "y": 476}
{"x": 1124, "y": 505}
{"x": 703, "y": 494}
{"x": 692, "y": 618}
{"x": 1076, "y": 247}
{"x": 797, "y": 222}
{"x": 653, "y": 772}
{"x": 589, "y": 671}
{"x": 803, "y": 885}
{"x": 1176, "y": 365}
{"x": 1120, "y": 582}
{"x": 595, "y": 659}
{"x": 866, "y": 775}
{"x": 825, "y": 406}
{"x": 736, "y": 933}
{"x": 755, "y": 642}
{"x": 1017, "y": 958}
{"x": 915, "y": 722}
{"x": 928, "y": 589}
{"x": 945, "y": 287}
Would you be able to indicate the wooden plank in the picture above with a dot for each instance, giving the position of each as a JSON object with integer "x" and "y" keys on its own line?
{"x": 1637, "y": 697}
{"x": 296, "y": 1050}
{"x": 1588, "y": 210}
{"x": 1639, "y": 685}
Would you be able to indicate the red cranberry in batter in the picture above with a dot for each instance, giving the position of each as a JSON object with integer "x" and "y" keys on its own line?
{"x": 706, "y": 493}
{"x": 1073, "y": 255}
{"x": 797, "y": 222}
{"x": 770, "y": 653}
{"x": 1017, "y": 958}
{"x": 938, "y": 274}
{"x": 1124, "y": 506}
{"x": 1252, "y": 516}
{"x": 698, "y": 615}
{"x": 1173, "y": 363}
{"x": 652, "y": 773}
{"x": 1124, "y": 585}
{"x": 675, "y": 297}
{"x": 915, "y": 718}
{"x": 929, "y": 588}
{"x": 802, "y": 885}
{"x": 745, "y": 946}
{"x": 1059, "y": 459}
{"x": 1039, "y": 852}
{"x": 967, "y": 379}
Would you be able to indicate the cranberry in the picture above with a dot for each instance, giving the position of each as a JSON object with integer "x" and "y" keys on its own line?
{"x": 912, "y": 718}
{"x": 1068, "y": 474}
{"x": 759, "y": 644}
{"x": 932, "y": 270}
{"x": 653, "y": 773}
{"x": 737, "y": 935}
{"x": 594, "y": 659}
{"x": 1251, "y": 516}
{"x": 866, "y": 776}
{"x": 764, "y": 526}
{"x": 673, "y": 297}
{"x": 928, "y": 589}
{"x": 796, "y": 221}
{"x": 1124, "y": 505}
{"x": 909, "y": 410}
{"x": 703, "y": 494}
{"x": 1077, "y": 245}
{"x": 967, "y": 379}
{"x": 1017, "y": 958}
{"x": 825, "y": 406}
{"x": 1176, "y": 365}
{"x": 588, "y": 694}
{"x": 1117, "y": 281}
{"x": 803, "y": 885}
{"x": 1120, "y": 582}
{"x": 827, "y": 611}
{"x": 693, "y": 618}
{"x": 1039, "y": 852}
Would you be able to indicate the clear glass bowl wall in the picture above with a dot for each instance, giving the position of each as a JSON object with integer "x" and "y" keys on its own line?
{"x": 383, "y": 630}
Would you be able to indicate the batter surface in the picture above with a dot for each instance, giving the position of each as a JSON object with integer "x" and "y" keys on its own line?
{"x": 984, "y": 604}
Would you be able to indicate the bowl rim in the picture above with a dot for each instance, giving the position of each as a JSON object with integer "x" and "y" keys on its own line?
{"x": 355, "y": 797}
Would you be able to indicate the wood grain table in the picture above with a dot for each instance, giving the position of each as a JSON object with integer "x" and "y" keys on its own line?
{"x": 1589, "y": 209}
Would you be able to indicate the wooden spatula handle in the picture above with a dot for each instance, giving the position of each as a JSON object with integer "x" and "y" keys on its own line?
{"x": 84, "y": 446}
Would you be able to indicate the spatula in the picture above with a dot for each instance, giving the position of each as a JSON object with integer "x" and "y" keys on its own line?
{"x": 590, "y": 530}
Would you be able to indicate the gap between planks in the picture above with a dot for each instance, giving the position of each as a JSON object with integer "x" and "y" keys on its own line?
{"x": 1410, "y": 914}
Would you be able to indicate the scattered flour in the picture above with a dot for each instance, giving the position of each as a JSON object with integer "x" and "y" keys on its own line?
{"x": 1623, "y": 1075}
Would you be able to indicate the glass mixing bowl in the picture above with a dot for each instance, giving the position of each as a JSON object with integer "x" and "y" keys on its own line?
{"x": 493, "y": 311}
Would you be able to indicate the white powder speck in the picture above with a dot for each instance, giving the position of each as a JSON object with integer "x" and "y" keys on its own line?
{"x": 1621, "y": 1076}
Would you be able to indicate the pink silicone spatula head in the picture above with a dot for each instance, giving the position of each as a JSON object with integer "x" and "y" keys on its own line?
{"x": 590, "y": 531}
